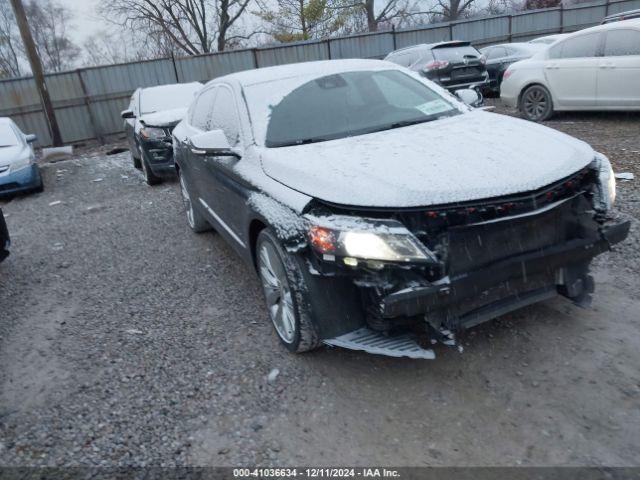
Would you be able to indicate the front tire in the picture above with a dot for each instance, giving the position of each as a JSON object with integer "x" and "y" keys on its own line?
{"x": 149, "y": 177}
{"x": 285, "y": 293}
{"x": 536, "y": 103}
{"x": 136, "y": 161}
{"x": 195, "y": 219}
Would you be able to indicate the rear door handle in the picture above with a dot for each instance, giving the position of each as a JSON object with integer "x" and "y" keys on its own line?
{"x": 607, "y": 65}
{"x": 552, "y": 66}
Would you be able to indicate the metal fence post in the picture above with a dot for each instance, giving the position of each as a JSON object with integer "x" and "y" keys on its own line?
{"x": 254, "y": 51}
{"x": 510, "y": 31}
{"x": 87, "y": 101}
{"x": 393, "y": 36}
{"x": 606, "y": 8}
{"x": 450, "y": 31}
{"x": 561, "y": 17}
{"x": 329, "y": 48}
{"x": 175, "y": 68}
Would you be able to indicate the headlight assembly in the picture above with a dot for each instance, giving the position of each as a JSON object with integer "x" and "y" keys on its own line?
{"x": 605, "y": 194}
{"x": 351, "y": 240}
{"x": 152, "y": 133}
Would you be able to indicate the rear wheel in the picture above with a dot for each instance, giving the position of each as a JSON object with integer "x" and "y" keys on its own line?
{"x": 194, "y": 218}
{"x": 536, "y": 103}
{"x": 285, "y": 293}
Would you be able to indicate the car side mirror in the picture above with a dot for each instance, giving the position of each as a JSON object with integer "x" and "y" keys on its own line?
{"x": 212, "y": 143}
{"x": 469, "y": 96}
{"x": 31, "y": 138}
{"x": 126, "y": 114}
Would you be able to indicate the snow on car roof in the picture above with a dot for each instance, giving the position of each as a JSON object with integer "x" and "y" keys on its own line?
{"x": 306, "y": 69}
{"x": 165, "y": 97}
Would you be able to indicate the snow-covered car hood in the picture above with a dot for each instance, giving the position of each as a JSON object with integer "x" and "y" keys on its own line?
{"x": 12, "y": 154}
{"x": 164, "y": 118}
{"x": 467, "y": 157}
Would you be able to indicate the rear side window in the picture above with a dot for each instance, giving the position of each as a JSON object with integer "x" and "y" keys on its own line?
{"x": 455, "y": 54}
{"x": 497, "y": 52}
{"x": 405, "y": 58}
{"x": 225, "y": 116}
{"x": 201, "y": 115}
{"x": 622, "y": 42}
{"x": 577, "y": 47}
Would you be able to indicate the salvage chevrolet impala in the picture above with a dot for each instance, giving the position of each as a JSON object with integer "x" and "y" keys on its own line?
{"x": 379, "y": 211}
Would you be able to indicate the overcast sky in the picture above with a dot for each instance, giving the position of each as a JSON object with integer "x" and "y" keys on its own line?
{"x": 85, "y": 21}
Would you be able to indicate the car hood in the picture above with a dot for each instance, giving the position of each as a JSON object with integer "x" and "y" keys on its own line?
{"x": 11, "y": 154}
{"x": 471, "y": 156}
{"x": 164, "y": 118}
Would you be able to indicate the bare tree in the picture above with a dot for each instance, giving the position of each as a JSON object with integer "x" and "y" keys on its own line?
{"x": 192, "y": 26}
{"x": 10, "y": 43}
{"x": 48, "y": 21}
{"x": 451, "y": 10}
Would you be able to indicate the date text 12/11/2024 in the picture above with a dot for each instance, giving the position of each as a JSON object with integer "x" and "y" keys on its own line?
{"x": 315, "y": 473}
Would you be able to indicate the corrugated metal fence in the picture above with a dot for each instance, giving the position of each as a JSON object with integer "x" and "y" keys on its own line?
{"x": 88, "y": 101}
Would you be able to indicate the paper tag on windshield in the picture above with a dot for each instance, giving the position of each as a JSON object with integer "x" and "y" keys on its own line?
{"x": 434, "y": 107}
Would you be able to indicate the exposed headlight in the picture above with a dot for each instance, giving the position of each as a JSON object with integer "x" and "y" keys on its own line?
{"x": 605, "y": 196}
{"x": 152, "y": 133}
{"x": 350, "y": 239}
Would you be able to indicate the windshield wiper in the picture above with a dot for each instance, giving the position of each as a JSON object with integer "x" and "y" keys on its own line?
{"x": 303, "y": 141}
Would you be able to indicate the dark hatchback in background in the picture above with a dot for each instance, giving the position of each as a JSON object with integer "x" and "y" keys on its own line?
{"x": 19, "y": 171}
{"x": 149, "y": 120}
{"x": 453, "y": 65}
{"x": 5, "y": 241}
{"x": 499, "y": 57}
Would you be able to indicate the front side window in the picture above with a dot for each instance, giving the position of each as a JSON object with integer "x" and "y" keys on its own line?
{"x": 331, "y": 107}
{"x": 225, "y": 116}
{"x": 577, "y": 47}
{"x": 202, "y": 108}
{"x": 621, "y": 43}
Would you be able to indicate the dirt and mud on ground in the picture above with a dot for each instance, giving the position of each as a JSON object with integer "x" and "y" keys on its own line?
{"x": 128, "y": 340}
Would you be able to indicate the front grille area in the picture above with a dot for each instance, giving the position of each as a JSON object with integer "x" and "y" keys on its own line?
{"x": 474, "y": 246}
{"x": 432, "y": 221}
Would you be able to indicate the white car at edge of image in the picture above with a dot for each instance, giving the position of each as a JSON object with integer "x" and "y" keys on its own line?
{"x": 594, "y": 69}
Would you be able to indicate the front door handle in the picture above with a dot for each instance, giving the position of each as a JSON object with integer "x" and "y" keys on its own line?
{"x": 607, "y": 65}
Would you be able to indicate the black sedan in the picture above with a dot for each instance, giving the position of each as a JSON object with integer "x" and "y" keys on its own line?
{"x": 5, "y": 241}
{"x": 499, "y": 57}
{"x": 152, "y": 114}
{"x": 375, "y": 209}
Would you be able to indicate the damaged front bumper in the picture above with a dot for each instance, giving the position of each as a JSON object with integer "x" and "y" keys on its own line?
{"x": 535, "y": 276}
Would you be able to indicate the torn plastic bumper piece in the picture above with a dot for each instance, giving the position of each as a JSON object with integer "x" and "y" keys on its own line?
{"x": 401, "y": 345}
{"x": 420, "y": 300}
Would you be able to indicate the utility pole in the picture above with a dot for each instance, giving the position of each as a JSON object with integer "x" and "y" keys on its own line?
{"x": 36, "y": 68}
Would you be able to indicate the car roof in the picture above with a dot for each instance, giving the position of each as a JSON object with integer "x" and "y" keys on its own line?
{"x": 170, "y": 86}
{"x": 622, "y": 14}
{"x": 632, "y": 22}
{"x": 293, "y": 70}
{"x": 430, "y": 46}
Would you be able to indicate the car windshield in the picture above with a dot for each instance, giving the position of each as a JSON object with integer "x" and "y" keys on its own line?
{"x": 167, "y": 97}
{"x": 352, "y": 103}
{"x": 455, "y": 54}
{"x": 7, "y": 136}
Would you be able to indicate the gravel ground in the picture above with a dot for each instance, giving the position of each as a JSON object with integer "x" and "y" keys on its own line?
{"x": 127, "y": 340}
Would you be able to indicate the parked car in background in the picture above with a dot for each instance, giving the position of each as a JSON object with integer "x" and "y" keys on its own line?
{"x": 594, "y": 69}
{"x": 549, "y": 39}
{"x": 373, "y": 205}
{"x": 618, "y": 17}
{"x": 149, "y": 120}
{"x": 453, "y": 65}
{"x": 19, "y": 172}
{"x": 499, "y": 57}
{"x": 5, "y": 240}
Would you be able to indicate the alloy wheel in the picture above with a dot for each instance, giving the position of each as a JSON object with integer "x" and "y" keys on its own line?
{"x": 187, "y": 202}
{"x": 536, "y": 103}
{"x": 277, "y": 292}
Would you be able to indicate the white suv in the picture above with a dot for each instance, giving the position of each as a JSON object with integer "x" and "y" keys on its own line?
{"x": 594, "y": 69}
